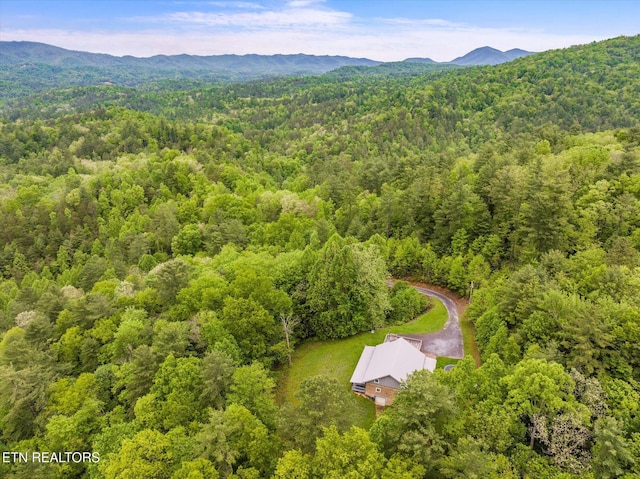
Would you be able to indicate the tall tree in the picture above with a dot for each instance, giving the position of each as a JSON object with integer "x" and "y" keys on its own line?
{"x": 416, "y": 425}
{"x": 547, "y": 210}
{"x": 539, "y": 389}
{"x": 347, "y": 289}
{"x": 252, "y": 387}
{"x": 321, "y": 402}
{"x": 611, "y": 454}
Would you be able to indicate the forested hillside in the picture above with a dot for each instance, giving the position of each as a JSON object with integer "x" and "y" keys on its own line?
{"x": 29, "y": 67}
{"x": 155, "y": 241}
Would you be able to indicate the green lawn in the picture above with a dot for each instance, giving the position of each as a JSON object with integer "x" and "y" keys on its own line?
{"x": 339, "y": 357}
{"x": 441, "y": 361}
{"x": 469, "y": 340}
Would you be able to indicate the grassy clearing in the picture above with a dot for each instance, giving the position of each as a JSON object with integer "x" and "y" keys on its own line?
{"x": 469, "y": 340}
{"x": 441, "y": 361}
{"x": 338, "y": 358}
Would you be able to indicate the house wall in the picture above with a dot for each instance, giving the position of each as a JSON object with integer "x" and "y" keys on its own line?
{"x": 389, "y": 382}
{"x": 386, "y": 392}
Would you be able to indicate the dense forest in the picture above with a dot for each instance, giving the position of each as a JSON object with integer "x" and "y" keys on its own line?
{"x": 156, "y": 242}
{"x": 28, "y": 67}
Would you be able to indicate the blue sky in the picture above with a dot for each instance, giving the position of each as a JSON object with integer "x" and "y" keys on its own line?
{"x": 384, "y": 30}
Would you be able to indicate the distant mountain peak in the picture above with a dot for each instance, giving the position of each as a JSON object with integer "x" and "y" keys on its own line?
{"x": 489, "y": 56}
{"x": 485, "y": 49}
{"x": 480, "y": 56}
{"x": 420, "y": 60}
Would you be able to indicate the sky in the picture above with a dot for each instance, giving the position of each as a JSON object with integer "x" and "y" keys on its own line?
{"x": 383, "y": 30}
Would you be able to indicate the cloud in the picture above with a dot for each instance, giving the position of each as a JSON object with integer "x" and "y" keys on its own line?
{"x": 251, "y": 16}
{"x": 222, "y": 4}
{"x": 302, "y": 3}
{"x": 239, "y": 5}
{"x": 268, "y": 19}
{"x": 420, "y": 22}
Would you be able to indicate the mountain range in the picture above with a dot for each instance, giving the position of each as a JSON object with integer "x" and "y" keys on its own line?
{"x": 20, "y": 53}
{"x": 30, "y": 67}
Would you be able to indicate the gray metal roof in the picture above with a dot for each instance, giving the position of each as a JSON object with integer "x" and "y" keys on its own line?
{"x": 397, "y": 359}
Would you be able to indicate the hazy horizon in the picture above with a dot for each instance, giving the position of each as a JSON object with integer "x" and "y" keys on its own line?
{"x": 378, "y": 30}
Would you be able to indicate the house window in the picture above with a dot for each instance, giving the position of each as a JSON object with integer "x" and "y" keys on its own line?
{"x": 377, "y": 381}
{"x": 378, "y": 390}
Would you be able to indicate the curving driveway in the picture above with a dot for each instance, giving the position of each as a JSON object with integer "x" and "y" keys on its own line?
{"x": 448, "y": 341}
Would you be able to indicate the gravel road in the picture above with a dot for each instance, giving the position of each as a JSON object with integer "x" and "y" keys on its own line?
{"x": 448, "y": 341}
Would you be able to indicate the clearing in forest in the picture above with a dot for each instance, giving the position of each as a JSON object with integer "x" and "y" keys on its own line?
{"x": 338, "y": 357}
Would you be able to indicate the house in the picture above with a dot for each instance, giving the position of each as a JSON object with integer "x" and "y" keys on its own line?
{"x": 382, "y": 368}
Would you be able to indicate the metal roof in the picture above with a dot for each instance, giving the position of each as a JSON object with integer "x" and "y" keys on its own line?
{"x": 397, "y": 359}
